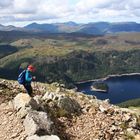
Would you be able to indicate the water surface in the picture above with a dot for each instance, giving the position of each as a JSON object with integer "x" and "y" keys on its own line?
{"x": 120, "y": 89}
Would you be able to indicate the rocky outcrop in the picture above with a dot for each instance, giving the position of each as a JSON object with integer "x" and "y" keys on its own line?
{"x": 68, "y": 105}
{"x": 37, "y": 123}
{"x": 23, "y": 103}
{"x": 62, "y": 103}
{"x": 68, "y": 114}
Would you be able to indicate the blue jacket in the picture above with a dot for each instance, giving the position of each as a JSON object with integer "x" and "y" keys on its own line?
{"x": 28, "y": 77}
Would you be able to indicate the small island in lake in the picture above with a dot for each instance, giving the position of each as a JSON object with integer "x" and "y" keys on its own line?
{"x": 100, "y": 86}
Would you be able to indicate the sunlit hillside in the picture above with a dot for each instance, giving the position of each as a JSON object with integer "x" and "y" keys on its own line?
{"x": 77, "y": 57}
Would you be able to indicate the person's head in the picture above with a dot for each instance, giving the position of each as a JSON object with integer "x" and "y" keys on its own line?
{"x": 31, "y": 68}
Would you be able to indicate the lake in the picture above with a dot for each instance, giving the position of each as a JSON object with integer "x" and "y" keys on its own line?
{"x": 121, "y": 89}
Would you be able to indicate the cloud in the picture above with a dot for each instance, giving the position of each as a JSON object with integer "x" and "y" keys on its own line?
{"x": 63, "y": 10}
{"x": 5, "y": 3}
{"x": 108, "y": 9}
{"x": 136, "y": 13}
{"x": 25, "y": 6}
{"x": 55, "y": 8}
{"x": 22, "y": 10}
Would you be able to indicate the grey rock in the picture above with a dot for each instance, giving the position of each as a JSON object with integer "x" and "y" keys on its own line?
{"x": 69, "y": 105}
{"x": 48, "y": 96}
{"x": 38, "y": 99}
{"x": 23, "y": 112}
{"x": 56, "y": 84}
{"x": 1, "y": 91}
{"x": 23, "y": 101}
{"x": 102, "y": 109}
{"x": 58, "y": 90}
{"x": 35, "y": 137}
{"x": 37, "y": 123}
{"x": 130, "y": 131}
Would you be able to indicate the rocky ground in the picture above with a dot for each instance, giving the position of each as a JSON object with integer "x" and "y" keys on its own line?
{"x": 11, "y": 127}
{"x": 69, "y": 115}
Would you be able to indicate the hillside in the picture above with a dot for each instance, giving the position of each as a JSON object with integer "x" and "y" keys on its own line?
{"x": 68, "y": 115}
{"x": 37, "y": 51}
{"x": 7, "y": 50}
{"x": 67, "y": 59}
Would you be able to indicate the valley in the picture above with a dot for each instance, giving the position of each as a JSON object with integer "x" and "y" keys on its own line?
{"x": 68, "y": 59}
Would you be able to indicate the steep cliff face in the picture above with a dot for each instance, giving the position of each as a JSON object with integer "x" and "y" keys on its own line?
{"x": 68, "y": 115}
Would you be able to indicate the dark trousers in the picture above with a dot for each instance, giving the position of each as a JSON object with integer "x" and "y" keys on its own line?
{"x": 28, "y": 89}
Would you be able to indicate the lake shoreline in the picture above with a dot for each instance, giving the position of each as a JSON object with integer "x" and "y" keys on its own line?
{"x": 108, "y": 77}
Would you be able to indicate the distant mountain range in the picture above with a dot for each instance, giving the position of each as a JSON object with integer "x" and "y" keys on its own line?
{"x": 97, "y": 28}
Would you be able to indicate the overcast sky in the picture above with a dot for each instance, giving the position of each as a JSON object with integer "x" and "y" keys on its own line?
{"x": 22, "y": 12}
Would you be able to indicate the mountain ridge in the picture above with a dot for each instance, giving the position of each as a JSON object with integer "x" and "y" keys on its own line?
{"x": 93, "y": 28}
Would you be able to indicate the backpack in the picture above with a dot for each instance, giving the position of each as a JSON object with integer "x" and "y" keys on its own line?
{"x": 21, "y": 77}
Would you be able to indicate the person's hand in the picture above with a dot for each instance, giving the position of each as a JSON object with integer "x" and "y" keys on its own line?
{"x": 33, "y": 77}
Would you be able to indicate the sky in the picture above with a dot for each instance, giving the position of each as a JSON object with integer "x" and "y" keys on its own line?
{"x": 23, "y": 12}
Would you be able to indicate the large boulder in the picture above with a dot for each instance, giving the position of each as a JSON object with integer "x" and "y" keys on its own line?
{"x": 65, "y": 104}
{"x": 37, "y": 123}
{"x": 69, "y": 105}
{"x": 50, "y": 96}
{"x": 24, "y": 100}
{"x": 35, "y": 137}
{"x": 23, "y": 103}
